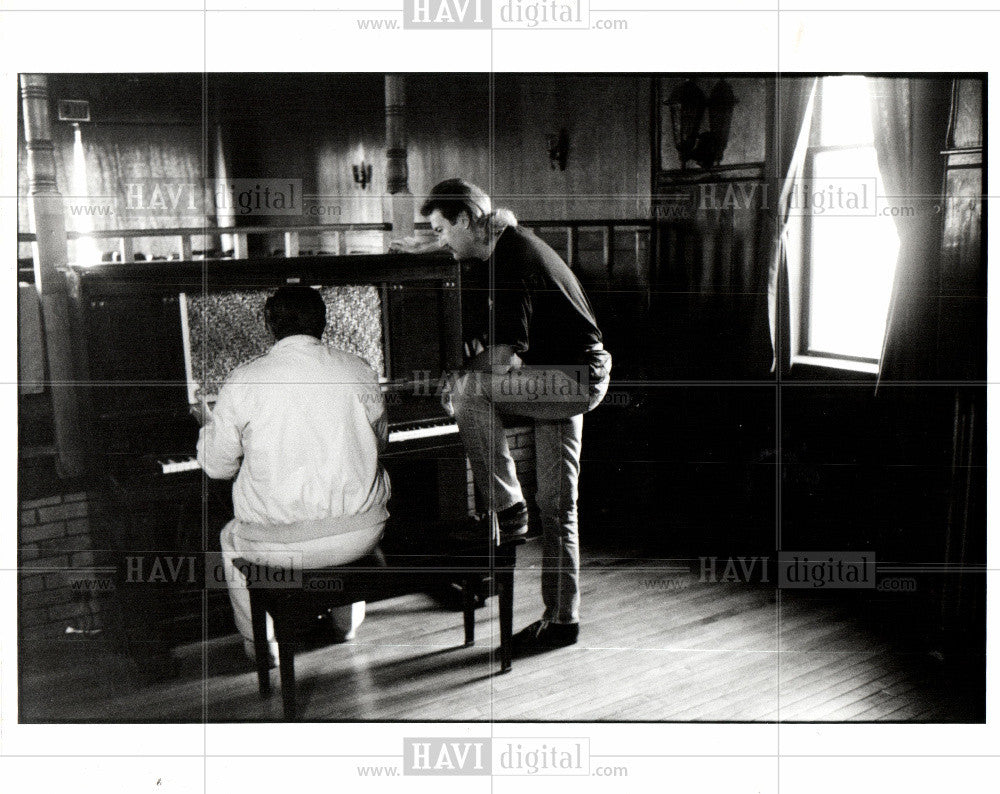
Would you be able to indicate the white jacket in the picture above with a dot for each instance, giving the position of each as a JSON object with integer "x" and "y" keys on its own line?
{"x": 308, "y": 423}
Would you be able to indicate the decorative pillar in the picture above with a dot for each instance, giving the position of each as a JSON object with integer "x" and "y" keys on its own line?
{"x": 400, "y": 201}
{"x": 50, "y": 254}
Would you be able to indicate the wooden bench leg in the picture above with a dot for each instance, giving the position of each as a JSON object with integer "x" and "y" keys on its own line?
{"x": 284, "y": 632}
{"x": 258, "y": 619}
{"x": 469, "y": 611}
{"x": 287, "y": 666}
{"x": 505, "y": 592}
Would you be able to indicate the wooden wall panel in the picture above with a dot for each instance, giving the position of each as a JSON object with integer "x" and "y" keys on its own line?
{"x": 316, "y": 124}
{"x": 967, "y": 130}
{"x": 448, "y": 127}
{"x": 961, "y": 309}
{"x": 607, "y": 120}
{"x": 709, "y": 286}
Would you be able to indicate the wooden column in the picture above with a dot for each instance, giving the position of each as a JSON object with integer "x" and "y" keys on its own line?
{"x": 50, "y": 254}
{"x": 400, "y": 204}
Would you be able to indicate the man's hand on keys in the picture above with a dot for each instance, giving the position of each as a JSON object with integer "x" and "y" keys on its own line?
{"x": 201, "y": 412}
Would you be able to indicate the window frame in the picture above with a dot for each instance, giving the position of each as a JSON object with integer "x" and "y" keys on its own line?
{"x": 805, "y": 354}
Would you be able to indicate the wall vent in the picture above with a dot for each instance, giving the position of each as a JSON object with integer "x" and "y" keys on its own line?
{"x": 74, "y": 110}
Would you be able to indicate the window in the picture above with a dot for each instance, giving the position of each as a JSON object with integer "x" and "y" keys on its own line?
{"x": 83, "y": 250}
{"x": 849, "y": 239}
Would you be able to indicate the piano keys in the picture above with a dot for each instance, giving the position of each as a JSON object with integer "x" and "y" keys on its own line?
{"x": 419, "y": 431}
{"x": 171, "y": 466}
{"x": 398, "y": 434}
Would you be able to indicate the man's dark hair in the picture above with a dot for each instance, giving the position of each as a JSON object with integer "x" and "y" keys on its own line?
{"x": 295, "y": 310}
{"x": 453, "y": 197}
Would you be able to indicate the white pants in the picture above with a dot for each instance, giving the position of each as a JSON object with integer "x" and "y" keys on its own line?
{"x": 318, "y": 553}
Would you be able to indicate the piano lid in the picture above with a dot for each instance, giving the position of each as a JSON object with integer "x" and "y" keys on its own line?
{"x": 173, "y": 276}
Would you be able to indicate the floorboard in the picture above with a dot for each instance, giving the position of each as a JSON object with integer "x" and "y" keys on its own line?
{"x": 656, "y": 644}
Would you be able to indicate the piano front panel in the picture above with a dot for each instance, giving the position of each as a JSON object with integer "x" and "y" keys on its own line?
{"x": 429, "y": 477}
{"x": 416, "y": 315}
{"x": 137, "y": 394}
{"x": 136, "y": 361}
{"x": 134, "y": 339}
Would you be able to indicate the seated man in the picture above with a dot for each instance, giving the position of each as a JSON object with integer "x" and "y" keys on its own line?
{"x": 301, "y": 428}
{"x": 541, "y": 357}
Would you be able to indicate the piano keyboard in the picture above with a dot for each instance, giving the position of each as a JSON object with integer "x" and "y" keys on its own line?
{"x": 410, "y": 432}
{"x": 177, "y": 466}
{"x": 419, "y": 430}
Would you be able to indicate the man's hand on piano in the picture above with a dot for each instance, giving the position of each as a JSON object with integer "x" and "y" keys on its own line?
{"x": 414, "y": 245}
{"x": 496, "y": 360}
{"x": 201, "y": 412}
{"x": 448, "y": 380}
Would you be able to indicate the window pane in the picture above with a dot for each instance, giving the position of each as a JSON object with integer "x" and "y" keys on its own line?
{"x": 84, "y": 250}
{"x": 846, "y": 117}
{"x": 852, "y": 255}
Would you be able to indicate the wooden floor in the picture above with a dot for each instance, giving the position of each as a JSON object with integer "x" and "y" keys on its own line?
{"x": 656, "y": 645}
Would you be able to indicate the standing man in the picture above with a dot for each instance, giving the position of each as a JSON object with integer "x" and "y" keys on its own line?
{"x": 540, "y": 357}
{"x": 301, "y": 428}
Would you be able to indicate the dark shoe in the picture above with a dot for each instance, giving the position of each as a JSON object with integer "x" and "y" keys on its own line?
{"x": 543, "y": 635}
{"x": 513, "y": 522}
{"x": 473, "y": 531}
{"x": 324, "y": 630}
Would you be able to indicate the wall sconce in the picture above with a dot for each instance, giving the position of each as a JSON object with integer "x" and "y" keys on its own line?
{"x": 687, "y": 105}
{"x": 362, "y": 174}
{"x": 558, "y": 149}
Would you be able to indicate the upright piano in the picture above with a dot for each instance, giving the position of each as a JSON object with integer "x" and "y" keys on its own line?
{"x": 159, "y": 515}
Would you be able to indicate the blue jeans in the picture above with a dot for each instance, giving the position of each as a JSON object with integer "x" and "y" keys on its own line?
{"x": 555, "y": 402}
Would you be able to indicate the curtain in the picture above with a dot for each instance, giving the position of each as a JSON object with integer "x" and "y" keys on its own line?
{"x": 795, "y": 98}
{"x": 117, "y": 154}
{"x": 909, "y": 133}
{"x": 225, "y": 216}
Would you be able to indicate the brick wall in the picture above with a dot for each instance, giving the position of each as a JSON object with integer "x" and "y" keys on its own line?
{"x": 54, "y": 554}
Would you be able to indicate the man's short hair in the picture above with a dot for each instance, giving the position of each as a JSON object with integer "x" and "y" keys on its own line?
{"x": 295, "y": 310}
{"x": 453, "y": 197}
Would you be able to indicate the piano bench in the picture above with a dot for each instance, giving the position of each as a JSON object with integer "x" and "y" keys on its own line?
{"x": 286, "y": 595}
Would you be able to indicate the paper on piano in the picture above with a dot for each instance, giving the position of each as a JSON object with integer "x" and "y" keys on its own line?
{"x": 221, "y": 330}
